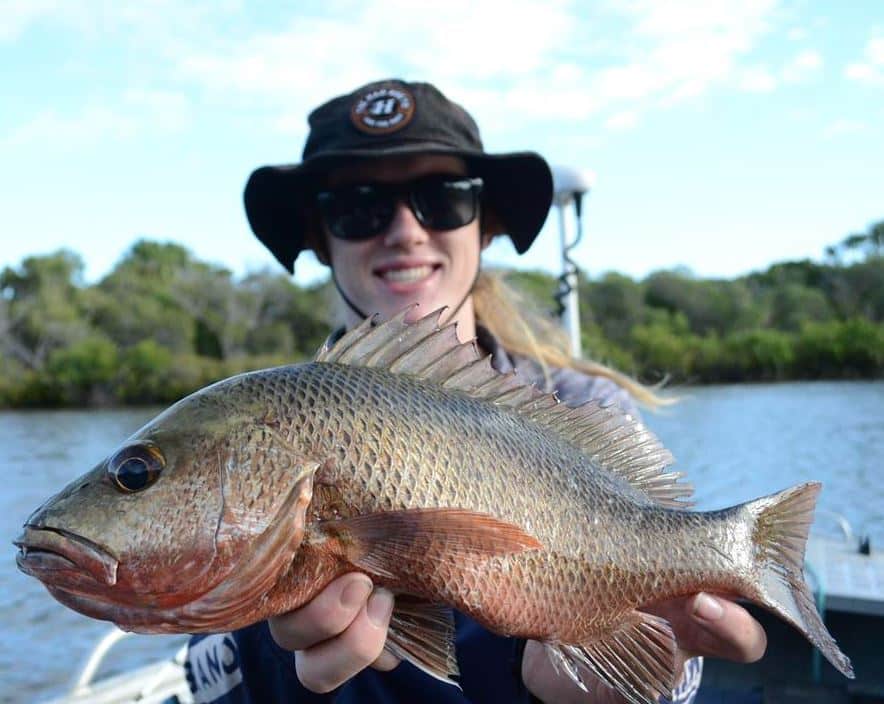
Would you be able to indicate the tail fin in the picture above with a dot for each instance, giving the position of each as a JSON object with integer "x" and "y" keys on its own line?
{"x": 782, "y": 522}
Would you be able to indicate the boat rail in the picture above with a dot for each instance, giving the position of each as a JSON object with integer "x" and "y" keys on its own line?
{"x": 162, "y": 682}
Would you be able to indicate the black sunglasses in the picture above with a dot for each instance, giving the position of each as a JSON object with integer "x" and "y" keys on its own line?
{"x": 360, "y": 212}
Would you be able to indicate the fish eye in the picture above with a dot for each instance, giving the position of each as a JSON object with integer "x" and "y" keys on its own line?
{"x": 135, "y": 468}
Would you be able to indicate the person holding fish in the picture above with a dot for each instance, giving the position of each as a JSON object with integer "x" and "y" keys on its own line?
{"x": 401, "y": 518}
{"x": 396, "y": 195}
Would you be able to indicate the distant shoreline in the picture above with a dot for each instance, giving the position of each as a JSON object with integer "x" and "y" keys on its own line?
{"x": 163, "y": 324}
{"x": 674, "y": 389}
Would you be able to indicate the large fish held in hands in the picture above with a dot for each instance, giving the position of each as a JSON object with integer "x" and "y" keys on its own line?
{"x": 401, "y": 453}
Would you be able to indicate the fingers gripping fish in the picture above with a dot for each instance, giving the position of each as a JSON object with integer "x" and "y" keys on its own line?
{"x": 402, "y": 453}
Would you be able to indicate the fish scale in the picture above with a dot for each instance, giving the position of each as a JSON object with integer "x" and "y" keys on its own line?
{"x": 401, "y": 453}
{"x": 422, "y": 450}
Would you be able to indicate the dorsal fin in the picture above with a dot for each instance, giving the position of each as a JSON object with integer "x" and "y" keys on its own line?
{"x": 613, "y": 440}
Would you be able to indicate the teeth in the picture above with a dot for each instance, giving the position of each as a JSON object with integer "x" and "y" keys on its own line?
{"x": 415, "y": 273}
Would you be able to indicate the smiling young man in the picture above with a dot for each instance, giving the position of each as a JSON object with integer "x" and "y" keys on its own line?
{"x": 397, "y": 196}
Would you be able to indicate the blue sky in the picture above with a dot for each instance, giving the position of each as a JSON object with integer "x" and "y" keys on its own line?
{"x": 724, "y": 135}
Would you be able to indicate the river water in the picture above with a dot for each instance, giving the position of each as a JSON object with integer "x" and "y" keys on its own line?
{"x": 734, "y": 443}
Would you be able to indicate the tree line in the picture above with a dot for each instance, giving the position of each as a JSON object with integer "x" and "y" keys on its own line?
{"x": 163, "y": 323}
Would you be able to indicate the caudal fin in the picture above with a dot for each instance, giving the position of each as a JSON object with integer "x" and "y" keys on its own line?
{"x": 782, "y": 522}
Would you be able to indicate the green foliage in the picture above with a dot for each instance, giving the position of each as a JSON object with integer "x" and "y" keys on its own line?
{"x": 77, "y": 375}
{"x": 660, "y": 351}
{"x": 536, "y": 286}
{"x": 82, "y": 372}
{"x": 615, "y": 303}
{"x": 145, "y": 372}
{"x": 759, "y": 355}
{"x": 709, "y": 361}
{"x": 709, "y": 305}
{"x": 138, "y": 301}
{"x": 41, "y": 308}
{"x": 597, "y": 346}
{"x": 864, "y": 244}
{"x": 845, "y": 349}
{"x": 286, "y": 319}
{"x": 794, "y": 304}
{"x": 860, "y": 289}
{"x": 162, "y": 324}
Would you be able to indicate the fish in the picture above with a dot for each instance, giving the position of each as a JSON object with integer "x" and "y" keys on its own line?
{"x": 400, "y": 452}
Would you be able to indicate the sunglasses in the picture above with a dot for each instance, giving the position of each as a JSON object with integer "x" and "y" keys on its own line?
{"x": 360, "y": 212}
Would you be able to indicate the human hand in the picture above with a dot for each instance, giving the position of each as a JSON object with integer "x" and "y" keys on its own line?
{"x": 703, "y": 625}
{"x": 340, "y": 632}
{"x": 714, "y": 626}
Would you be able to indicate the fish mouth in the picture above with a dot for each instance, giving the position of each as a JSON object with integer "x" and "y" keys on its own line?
{"x": 55, "y": 555}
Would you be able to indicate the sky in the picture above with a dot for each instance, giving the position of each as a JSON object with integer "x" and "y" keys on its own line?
{"x": 722, "y": 136}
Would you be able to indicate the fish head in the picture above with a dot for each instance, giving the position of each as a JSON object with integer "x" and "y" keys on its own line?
{"x": 175, "y": 529}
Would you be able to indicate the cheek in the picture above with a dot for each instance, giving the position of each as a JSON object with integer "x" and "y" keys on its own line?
{"x": 172, "y": 548}
{"x": 463, "y": 247}
{"x": 348, "y": 258}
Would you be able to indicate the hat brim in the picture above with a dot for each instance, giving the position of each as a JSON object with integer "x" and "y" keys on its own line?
{"x": 518, "y": 188}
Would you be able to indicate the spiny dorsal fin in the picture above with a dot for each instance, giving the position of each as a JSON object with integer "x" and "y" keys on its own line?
{"x": 614, "y": 441}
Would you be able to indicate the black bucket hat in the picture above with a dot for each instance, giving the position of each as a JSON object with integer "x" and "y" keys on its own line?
{"x": 385, "y": 119}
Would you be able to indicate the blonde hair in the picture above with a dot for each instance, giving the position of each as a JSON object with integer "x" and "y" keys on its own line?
{"x": 523, "y": 331}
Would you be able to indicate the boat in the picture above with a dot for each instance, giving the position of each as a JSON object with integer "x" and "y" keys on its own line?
{"x": 847, "y": 576}
{"x": 160, "y": 682}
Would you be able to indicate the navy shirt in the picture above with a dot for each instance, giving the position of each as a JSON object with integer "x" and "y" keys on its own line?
{"x": 248, "y": 667}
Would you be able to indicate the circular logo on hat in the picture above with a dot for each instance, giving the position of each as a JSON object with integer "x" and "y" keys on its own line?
{"x": 383, "y": 110}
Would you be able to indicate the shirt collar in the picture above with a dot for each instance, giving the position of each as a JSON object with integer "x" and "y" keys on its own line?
{"x": 501, "y": 360}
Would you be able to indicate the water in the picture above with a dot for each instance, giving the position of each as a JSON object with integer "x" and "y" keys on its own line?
{"x": 44, "y": 643}
{"x": 739, "y": 442}
{"x": 734, "y": 442}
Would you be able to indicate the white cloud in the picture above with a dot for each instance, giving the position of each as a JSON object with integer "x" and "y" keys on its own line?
{"x": 622, "y": 121}
{"x": 802, "y": 66}
{"x": 875, "y": 51}
{"x": 163, "y": 110}
{"x": 538, "y": 60}
{"x": 668, "y": 18}
{"x": 695, "y": 46}
{"x": 843, "y": 127}
{"x": 90, "y": 124}
{"x": 312, "y": 58}
{"x": 871, "y": 69}
{"x": 758, "y": 79}
{"x": 18, "y": 15}
{"x": 861, "y": 72}
{"x": 546, "y": 58}
{"x": 137, "y": 112}
{"x": 796, "y": 34}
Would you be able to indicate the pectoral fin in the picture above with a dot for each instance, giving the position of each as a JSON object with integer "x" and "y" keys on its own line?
{"x": 637, "y": 660}
{"x": 381, "y": 543}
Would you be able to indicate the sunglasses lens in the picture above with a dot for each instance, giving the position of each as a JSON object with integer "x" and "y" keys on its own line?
{"x": 356, "y": 213}
{"x": 445, "y": 204}
{"x": 362, "y": 212}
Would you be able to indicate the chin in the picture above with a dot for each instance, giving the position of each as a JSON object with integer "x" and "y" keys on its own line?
{"x": 420, "y": 305}
{"x": 418, "y": 312}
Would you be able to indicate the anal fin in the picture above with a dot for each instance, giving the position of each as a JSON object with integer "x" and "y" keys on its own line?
{"x": 638, "y": 659}
{"x": 423, "y": 634}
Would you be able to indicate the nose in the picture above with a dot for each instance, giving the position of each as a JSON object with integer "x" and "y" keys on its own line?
{"x": 404, "y": 229}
